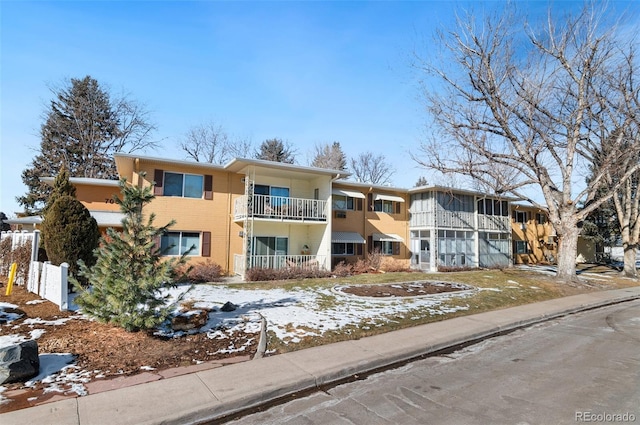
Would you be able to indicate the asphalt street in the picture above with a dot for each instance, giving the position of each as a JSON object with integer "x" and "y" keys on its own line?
{"x": 583, "y": 368}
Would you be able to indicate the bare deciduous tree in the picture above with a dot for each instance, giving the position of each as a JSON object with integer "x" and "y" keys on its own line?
{"x": 207, "y": 143}
{"x": 627, "y": 207}
{"x": 542, "y": 104}
{"x": 370, "y": 168}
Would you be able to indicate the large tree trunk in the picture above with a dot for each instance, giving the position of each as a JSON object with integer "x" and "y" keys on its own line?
{"x": 630, "y": 261}
{"x": 567, "y": 248}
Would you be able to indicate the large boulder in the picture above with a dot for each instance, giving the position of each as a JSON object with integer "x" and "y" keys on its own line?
{"x": 19, "y": 362}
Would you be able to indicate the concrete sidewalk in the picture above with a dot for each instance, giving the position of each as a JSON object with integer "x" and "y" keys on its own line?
{"x": 215, "y": 393}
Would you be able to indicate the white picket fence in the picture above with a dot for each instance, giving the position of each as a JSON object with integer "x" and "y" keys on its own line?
{"x": 46, "y": 280}
{"x": 50, "y": 282}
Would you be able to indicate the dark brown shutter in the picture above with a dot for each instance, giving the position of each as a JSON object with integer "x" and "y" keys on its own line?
{"x": 359, "y": 249}
{"x": 370, "y": 243}
{"x": 157, "y": 243}
{"x": 206, "y": 244}
{"x": 208, "y": 187}
{"x": 396, "y": 248}
{"x": 398, "y": 206}
{"x": 369, "y": 201}
{"x": 359, "y": 204}
{"x": 158, "y": 178}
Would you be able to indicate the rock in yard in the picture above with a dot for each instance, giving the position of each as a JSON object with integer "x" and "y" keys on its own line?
{"x": 192, "y": 319}
{"x": 19, "y": 362}
{"x": 228, "y": 306}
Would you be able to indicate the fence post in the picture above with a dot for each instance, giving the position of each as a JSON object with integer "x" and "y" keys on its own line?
{"x": 42, "y": 287}
{"x": 35, "y": 244}
{"x": 64, "y": 286}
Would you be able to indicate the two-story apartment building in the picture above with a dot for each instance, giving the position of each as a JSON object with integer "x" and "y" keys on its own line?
{"x": 253, "y": 213}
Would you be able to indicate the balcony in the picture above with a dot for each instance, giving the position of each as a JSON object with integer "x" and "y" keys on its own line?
{"x": 280, "y": 208}
{"x": 306, "y": 262}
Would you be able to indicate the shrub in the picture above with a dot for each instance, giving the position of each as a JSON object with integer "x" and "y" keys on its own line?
{"x": 456, "y": 268}
{"x": 394, "y": 265}
{"x": 374, "y": 259}
{"x": 70, "y": 234}
{"x": 204, "y": 272}
{"x": 361, "y": 266}
{"x": 343, "y": 269}
{"x": 5, "y": 255}
{"x": 258, "y": 274}
{"x": 21, "y": 255}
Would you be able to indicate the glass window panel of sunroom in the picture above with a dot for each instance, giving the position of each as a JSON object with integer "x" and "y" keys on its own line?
{"x": 190, "y": 240}
{"x": 193, "y": 186}
{"x": 172, "y": 184}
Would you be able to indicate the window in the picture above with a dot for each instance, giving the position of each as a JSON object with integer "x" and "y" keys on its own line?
{"x": 521, "y": 247}
{"x": 278, "y": 195}
{"x": 450, "y": 202}
{"x": 183, "y": 185}
{"x": 179, "y": 243}
{"x": 493, "y": 207}
{"x": 520, "y": 216}
{"x": 384, "y": 206}
{"x": 541, "y": 218}
{"x": 338, "y": 248}
{"x": 386, "y": 247}
{"x": 342, "y": 202}
{"x": 270, "y": 245}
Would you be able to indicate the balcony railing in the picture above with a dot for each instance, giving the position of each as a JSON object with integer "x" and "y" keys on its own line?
{"x": 281, "y": 208}
{"x": 306, "y": 262}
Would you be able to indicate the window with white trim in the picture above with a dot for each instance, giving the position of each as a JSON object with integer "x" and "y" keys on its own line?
{"x": 339, "y": 248}
{"x": 183, "y": 185}
{"x": 385, "y": 206}
{"x": 385, "y": 247}
{"x": 521, "y": 247}
{"x": 179, "y": 243}
{"x": 342, "y": 202}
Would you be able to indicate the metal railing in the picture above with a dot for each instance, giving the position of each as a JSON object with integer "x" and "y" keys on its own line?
{"x": 306, "y": 262}
{"x": 281, "y": 208}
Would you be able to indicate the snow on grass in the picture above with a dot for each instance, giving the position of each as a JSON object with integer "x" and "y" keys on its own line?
{"x": 295, "y": 313}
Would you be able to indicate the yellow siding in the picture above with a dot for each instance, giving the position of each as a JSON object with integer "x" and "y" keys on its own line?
{"x": 202, "y": 215}
{"x": 98, "y": 198}
{"x": 539, "y": 236}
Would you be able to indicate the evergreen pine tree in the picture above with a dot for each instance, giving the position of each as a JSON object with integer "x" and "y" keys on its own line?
{"x": 330, "y": 156}
{"x": 61, "y": 187}
{"x": 129, "y": 274}
{"x": 69, "y": 233}
{"x": 276, "y": 150}
{"x": 4, "y": 226}
{"x": 84, "y": 126}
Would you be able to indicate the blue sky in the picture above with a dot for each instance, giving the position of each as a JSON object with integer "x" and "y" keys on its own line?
{"x": 305, "y": 72}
